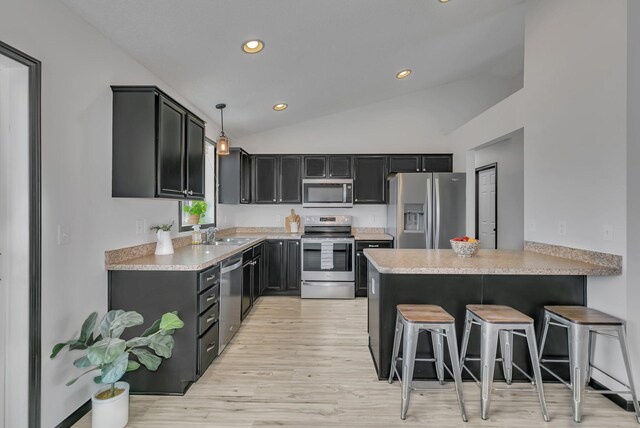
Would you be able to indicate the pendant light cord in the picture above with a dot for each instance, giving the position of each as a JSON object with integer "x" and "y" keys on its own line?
{"x": 222, "y": 120}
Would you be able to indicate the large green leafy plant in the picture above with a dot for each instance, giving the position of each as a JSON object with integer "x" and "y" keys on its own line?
{"x": 109, "y": 354}
{"x": 196, "y": 208}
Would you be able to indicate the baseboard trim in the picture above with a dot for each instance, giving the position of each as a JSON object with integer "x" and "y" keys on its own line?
{"x": 75, "y": 416}
{"x": 617, "y": 399}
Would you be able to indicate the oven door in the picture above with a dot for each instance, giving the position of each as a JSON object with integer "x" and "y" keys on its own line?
{"x": 343, "y": 256}
{"x": 327, "y": 193}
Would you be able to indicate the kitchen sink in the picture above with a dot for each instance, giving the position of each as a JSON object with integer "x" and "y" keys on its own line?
{"x": 229, "y": 241}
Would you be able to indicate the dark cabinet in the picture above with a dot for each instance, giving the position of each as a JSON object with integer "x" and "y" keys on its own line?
{"x": 405, "y": 163}
{"x": 339, "y": 166}
{"x": 437, "y": 163}
{"x": 315, "y": 167}
{"x": 152, "y": 293}
{"x": 282, "y": 267}
{"x": 370, "y": 179}
{"x": 158, "y": 146}
{"x": 247, "y": 283}
{"x": 234, "y": 177}
{"x": 257, "y": 278}
{"x": 265, "y": 181}
{"x": 251, "y": 278}
{"x": 361, "y": 263}
{"x": 289, "y": 180}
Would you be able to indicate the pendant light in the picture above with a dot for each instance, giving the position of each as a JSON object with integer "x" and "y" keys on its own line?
{"x": 222, "y": 145}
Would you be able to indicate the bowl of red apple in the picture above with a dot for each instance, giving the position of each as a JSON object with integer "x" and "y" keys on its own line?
{"x": 464, "y": 246}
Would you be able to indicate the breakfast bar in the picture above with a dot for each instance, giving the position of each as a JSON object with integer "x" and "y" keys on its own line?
{"x": 525, "y": 280}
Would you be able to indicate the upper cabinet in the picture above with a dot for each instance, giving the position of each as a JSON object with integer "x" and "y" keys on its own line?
{"x": 405, "y": 163}
{"x": 421, "y": 163}
{"x": 234, "y": 177}
{"x": 331, "y": 166}
{"x": 369, "y": 179}
{"x": 265, "y": 179}
{"x": 437, "y": 163}
{"x": 277, "y": 179}
{"x": 158, "y": 146}
{"x": 290, "y": 179}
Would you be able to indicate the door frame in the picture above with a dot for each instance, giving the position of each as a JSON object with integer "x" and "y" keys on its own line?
{"x": 35, "y": 227}
{"x": 478, "y": 171}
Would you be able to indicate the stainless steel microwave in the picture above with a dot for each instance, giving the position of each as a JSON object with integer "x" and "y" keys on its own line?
{"x": 331, "y": 192}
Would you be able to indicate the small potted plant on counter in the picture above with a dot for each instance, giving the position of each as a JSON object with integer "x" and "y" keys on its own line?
{"x": 164, "y": 245}
{"x": 109, "y": 354}
{"x": 195, "y": 210}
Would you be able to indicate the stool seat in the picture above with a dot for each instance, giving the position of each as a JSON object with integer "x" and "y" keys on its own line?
{"x": 584, "y": 315}
{"x": 498, "y": 314}
{"x": 425, "y": 314}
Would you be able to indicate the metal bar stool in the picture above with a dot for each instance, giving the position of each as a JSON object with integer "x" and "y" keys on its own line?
{"x": 583, "y": 324}
{"x": 411, "y": 320}
{"x": 501, "y": 322}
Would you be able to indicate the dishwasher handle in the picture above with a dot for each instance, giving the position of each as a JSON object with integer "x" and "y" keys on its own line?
{"x": 227, "y": 269}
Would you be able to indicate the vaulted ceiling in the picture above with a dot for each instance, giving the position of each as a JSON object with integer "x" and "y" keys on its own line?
{"x": 320, "y": 56}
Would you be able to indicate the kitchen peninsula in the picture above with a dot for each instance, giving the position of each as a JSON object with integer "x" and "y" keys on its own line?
{"x": 526, "y": 280}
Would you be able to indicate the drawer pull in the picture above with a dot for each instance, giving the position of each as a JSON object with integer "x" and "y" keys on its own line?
{"x": 212, "y": 297}
{"x": 211, "y": 318}
{"x": 211, "y": 346}
{"x": 374, "y": 246}
{"x": 210, "y": 277}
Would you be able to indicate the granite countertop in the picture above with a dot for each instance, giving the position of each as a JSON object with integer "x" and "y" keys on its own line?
{"x": 486, "y": 262}
{"x": 196, "y": 257}
{"x": 368, "y": 236}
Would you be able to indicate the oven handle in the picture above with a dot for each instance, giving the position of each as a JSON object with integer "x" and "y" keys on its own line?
{"x": 350, "y": 240}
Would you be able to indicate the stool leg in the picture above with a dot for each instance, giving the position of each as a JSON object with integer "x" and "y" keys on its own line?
{"x": 578, "y": 364}
{"x": 545, "y": 330}
{"x": 627, "y": 362}
{"x": 537, "y": 375}
{"x": 396, "y": 348}
{"x": 408, "y": 360}
{"x": 438, "y": 354}
{"x": 506, "y": 343}
{"x": 465, "y": 339}
{"x": 592, "y": 350}
{"x": 455, "y": 368}
{"x": 488, "y": 348}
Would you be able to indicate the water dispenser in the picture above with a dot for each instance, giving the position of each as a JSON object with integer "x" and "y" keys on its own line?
{"x": 413, "y": 217}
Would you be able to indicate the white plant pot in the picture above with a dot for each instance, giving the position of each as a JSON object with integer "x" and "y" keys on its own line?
{"x": 164, "y": 246}
{"x": 112, "y": 412}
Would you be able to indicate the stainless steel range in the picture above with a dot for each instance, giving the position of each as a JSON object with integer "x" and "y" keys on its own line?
{"x": 328, "y": 252}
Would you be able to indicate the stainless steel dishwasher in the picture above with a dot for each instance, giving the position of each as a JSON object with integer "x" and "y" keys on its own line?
{"x": 230, "y": 299}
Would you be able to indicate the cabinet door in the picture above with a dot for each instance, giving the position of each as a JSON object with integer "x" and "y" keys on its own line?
{"x": 245, "y": 178}
{"x": 361, "y": 275}
{"x": 290, "y": 182}
{"x": 404, "y": 164}
{"x": 315, "y": 167}
{"x": 256, "y": 279}
{"x": 370, "y": 179}
{"x": 275, "y": 273}
{"x": 265, "y": 182}
{"x": 339, "y": 166}
{"x": 195, "y": 158}
{"x": 247, "y": 270}
{"x": 293, "y": 265}
{"x": 171, "y": 134}
{"x": 437, "y": 163}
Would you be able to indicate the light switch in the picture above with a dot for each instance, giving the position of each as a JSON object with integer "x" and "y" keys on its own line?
{"x": 562, "y": 227}
{"x": 141, "y": 227}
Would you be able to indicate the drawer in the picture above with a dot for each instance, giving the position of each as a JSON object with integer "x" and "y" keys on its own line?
{"x": 209, "y": 277}
{"x": 258, "y": 249}
{"x": 247, "y": 254}
{"x": 361, "y": 245}
{"x": 208, "y": 318}
{"x": 208, "y": 298}
{"x": 207, "y": 348}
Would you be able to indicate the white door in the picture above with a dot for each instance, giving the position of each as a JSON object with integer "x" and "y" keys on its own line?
{"x": 487, "y": 207}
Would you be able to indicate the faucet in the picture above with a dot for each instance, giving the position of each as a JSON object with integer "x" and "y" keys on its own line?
{"x": 211, "y": 234}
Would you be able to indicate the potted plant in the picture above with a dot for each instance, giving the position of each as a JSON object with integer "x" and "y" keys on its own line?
{"x": 164, "y": 246}
{"x": 110, "y": 354}
{"x": 195, "y": 210}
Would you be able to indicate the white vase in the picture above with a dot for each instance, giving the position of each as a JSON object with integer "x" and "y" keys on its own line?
{"x": 164, "y": 246}
{"x": 112, "y": 412}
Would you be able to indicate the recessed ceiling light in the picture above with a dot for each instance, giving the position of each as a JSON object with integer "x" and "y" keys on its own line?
{"x": 280, "y": 106}
{"x": 402, "y": 74}
{"x": 252, "y": 46}
{"x": 443, "y": 1}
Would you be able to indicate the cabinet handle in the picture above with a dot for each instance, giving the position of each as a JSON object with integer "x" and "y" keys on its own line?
{"x": 280, "y": 199}
{"x": 280, "y": 243}
{"x": 211, "y": 346}
{"x": 190, "y": 192}
{"x": 356, "y": 200}
{"x": 374, "y": 246}
{"x": 418, "y": 169}
{"x": 210, "y": 277}
{"x": 358, "y": 254}
{"x": 424, "y": 169}
{"x": 211, "y": 318}
{"x": 212, "y": 297}
{"x": 184, "y": 192}
{"x": 274, "y": 200}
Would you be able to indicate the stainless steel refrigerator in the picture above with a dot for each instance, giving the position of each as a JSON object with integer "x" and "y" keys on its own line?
{"x": 426, "y": 210}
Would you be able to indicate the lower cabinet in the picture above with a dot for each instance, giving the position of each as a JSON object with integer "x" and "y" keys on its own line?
{"x": 195, "y": 296}
{"x": 251, "y": 278}
{"x": 282, "y": 267}
{"x": 361, "y": 263}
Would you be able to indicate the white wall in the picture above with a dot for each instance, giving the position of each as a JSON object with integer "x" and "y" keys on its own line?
{"x": 509, "y": 155}
{"x": 78, "y": 65}
{"x": 14, "y": 243}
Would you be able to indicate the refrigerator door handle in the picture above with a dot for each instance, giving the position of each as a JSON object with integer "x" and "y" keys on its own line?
{"x": 436, "y": 243}
{"x": 429, "y": 215}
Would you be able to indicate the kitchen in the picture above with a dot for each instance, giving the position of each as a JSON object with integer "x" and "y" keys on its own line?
{"x": 307, "y": 117}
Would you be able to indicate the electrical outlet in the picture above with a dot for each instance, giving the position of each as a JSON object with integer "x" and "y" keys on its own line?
{"x": 141, "y": 227}
{"x": 562, "y": 228}
{"x": 372, "y": 219}
{"x": 64, "y": 235}
{"x": 607, "y": 232}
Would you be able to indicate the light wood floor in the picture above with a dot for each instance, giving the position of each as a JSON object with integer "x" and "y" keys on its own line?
{"x": 305, "y": 363}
